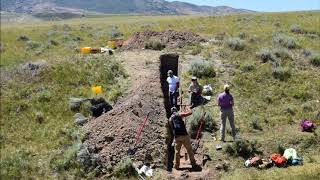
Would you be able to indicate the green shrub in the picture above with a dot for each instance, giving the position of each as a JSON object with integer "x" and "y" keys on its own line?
{"x": 66, "y": 160}
{"x": 196, "y": 49}
{"x": 220, "y": 36}
{"x": 229, "y": 150}
{"x": 39, "y": 117}
{"x": 23, "y": 38}
{"x": 290, "y": 110}
{"x": 255, "y": 124}
{"x": 311, "y": 141}
{"x": 242, "y": 35}
{"x": 53, "y": 42}
{"x": 194, "y": 121}
{"x": 125, "y": 169}
{"x": 265, "y": 55}
{"x": 243, "y": 148}
{"x": 273, "y": 54}
{"x": 154, "y": 45}
{"x": 247, "y": 67}
{"x": 296, "y": 29}
{"x": 253, "y": 39}
{"x": 315, "y": 60}
{"x": 16, "y": 165}
{"x": 307, "y": 106}
{"x": 285, "y": 41}
{"x": 236, "y": 44}
{"x": 202, "y": 69}
{"x": 281, "y": 73}
{"x": 281, "y": 53}
{"x": 44, "y": 96}
{"x": 277, "y": 24}
{"x": 115, "y": 33}
{"x": 115, "y": 94}
{"x": 300, "y": 92}
{"x": 31, "y": 45}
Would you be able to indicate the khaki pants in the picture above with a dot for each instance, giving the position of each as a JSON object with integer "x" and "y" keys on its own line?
{"x": 224, "y": 115}
{"x": 185, "y": 141}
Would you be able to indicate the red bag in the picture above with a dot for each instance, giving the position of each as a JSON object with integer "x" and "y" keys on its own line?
{"x": 278, "y": 160}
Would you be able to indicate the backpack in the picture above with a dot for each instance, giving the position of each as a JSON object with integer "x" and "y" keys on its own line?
{"x": 278, "y": 160}
{"x": 98, "y": 109}
{"x": 290, "y": 154}
{"x": 307, "y": 125}
{"x": 255, "y": 161}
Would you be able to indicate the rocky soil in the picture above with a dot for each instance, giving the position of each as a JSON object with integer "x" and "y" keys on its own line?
{"x": 113, "y": 134}
{"x": 169, "y": 38}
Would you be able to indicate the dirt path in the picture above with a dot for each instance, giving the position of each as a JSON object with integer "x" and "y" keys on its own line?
{"x": 139, "y": 64}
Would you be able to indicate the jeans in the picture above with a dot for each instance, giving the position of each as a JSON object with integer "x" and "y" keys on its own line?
{"x": 173, "y": 99}
{"x": 227, "y": 113}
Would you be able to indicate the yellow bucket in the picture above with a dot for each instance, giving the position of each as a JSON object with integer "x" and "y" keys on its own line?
{"x": 86, "y": 50}
{"x": 97, "y": 89}
{"x": 112, "y": 44}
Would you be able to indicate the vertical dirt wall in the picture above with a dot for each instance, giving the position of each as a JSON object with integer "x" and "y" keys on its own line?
{"x": 167, "y": 62}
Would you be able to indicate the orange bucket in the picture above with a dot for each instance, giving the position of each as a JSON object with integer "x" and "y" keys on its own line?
{"x": 86, "y": 50}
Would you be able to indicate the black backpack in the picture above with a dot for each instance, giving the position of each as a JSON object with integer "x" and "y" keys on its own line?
{"x": 99, "y": 107}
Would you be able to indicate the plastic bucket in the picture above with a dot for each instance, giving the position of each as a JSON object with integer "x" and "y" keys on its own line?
{"x": 86, "y": 50}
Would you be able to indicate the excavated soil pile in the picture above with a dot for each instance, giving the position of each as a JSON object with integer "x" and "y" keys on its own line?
{"x": 168, "y": 38}
{"x": 111, "y": 135}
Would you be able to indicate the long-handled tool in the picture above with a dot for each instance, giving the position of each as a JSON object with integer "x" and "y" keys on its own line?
{"x": 132, "y": 150}
{"x": 181, "y": 100}
{"x": 195, "y": 145}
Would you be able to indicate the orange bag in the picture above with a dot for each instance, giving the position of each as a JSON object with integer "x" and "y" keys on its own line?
{"x": 278, "y": 160}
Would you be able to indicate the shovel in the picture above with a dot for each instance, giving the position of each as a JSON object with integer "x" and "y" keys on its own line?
{"x": 132, "y": 150}
{"x": 195, "y": 145}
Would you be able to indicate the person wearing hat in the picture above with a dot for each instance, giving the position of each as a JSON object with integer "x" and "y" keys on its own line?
{"x": 225, "y": 101}
{"x": 173, "y": 82}
{"x": 195, "y": 90}
{"x": 181, "y": 137}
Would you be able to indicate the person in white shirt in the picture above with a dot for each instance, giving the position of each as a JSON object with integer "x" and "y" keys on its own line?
{"x": 173, "y": 82}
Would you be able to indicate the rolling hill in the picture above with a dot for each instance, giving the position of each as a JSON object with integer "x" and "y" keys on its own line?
{"x": 113, "y": 7}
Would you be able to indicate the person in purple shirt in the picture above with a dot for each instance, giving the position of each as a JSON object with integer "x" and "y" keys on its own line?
{"x": 225, "y": 101}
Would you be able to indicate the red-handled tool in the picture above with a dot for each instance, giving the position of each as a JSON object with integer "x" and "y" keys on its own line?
{"x": 133, "y": 149}
{"x": 195, "y": 145}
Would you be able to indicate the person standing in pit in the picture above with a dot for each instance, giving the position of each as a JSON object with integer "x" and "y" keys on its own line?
{"x": 173, "y": 82}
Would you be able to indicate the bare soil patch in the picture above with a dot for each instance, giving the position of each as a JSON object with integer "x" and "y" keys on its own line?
{"x": 168, "y": 38}
{"x": 113, "y": 134}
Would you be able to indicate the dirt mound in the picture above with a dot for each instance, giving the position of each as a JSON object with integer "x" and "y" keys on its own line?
{"x": 112, "y": 134}
{"x": 168, "y": 38}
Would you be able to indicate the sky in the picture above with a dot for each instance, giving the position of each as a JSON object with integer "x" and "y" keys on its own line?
{"x": 262, "y": 5}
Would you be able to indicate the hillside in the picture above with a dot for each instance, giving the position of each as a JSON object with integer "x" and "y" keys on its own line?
{"x": 113, "y": 7}
{"x": 270, "y": 60}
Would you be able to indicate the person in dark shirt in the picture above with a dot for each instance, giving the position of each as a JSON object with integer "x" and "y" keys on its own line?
{"x": 195, "y": 90}
{"x": 181, "y": 136}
